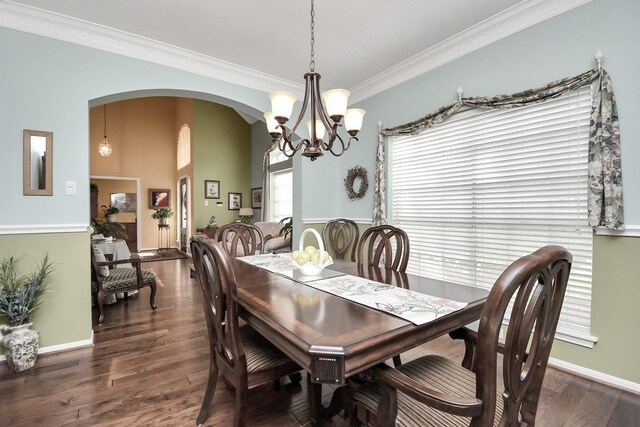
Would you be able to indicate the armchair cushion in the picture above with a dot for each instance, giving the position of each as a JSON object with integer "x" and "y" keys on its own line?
{"x": 438, "y": 373}
{"x": 103, "y": 271}
{"x": 121, "y": 278}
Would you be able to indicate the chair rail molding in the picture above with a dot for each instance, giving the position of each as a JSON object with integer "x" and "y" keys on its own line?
{"x": 43, "y": 228}
{"x": 366, "y": 221}
{"x": 629, "y": 231}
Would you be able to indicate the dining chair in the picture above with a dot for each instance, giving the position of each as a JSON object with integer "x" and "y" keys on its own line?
{"x": 384, "y": 243}
{"x": 240, "y": 239}
{"x": 106, "y": 281}
{"x": 341, "y": 235}
{"x": 243, "y": 357}
{"x": 434, "y": 390}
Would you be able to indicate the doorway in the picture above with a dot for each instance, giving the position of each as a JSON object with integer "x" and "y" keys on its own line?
{"x": 183, "y": 214}
{"x": 123, "y": 193}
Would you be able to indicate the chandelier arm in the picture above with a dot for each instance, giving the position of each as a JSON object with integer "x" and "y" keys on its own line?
{"x": 304, "y": 104}
{"x": 323, "y": 115}
{"x": 330, "y": 146}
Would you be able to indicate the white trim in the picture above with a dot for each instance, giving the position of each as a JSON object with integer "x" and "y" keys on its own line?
{"x": 366, "y": 221}
{"x": 43, "y": 228}
{"x": 517, "y": 18}
{"x": 629, "y": 231}
{"x": 61, "y": 27}
{"x": 576, "y": 338}
{"x": 595, "y": 375}
{"x": 62, "y": 347}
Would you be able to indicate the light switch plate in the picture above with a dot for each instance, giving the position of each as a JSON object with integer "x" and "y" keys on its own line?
{"x": 70, "y": 188}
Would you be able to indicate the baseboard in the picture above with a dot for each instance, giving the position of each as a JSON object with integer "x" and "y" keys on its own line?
{"x": 61, "y": 347}
{"x": 595, "y": 375}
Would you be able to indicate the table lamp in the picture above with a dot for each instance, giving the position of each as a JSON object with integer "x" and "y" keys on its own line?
{"x": 245, "y": 214}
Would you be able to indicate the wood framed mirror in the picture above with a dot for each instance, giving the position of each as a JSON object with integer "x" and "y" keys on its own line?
{"x": 37, "y": 163}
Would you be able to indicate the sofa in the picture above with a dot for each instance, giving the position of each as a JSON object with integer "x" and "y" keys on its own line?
{"x": 273, "y": 243}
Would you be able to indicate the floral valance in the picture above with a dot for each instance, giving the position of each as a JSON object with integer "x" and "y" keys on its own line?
{"x": 605, "y": 201}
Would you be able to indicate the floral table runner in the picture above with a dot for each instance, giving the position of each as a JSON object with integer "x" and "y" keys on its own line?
{"x": 283, "y": 265}
{"x": 407, "y": 304}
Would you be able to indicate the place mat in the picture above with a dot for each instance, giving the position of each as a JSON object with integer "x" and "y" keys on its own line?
{"x": 282, "y": 265}
{"x": 409, "y": 305}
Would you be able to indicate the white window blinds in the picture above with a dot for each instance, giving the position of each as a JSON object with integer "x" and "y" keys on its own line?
{"x": 487, "y": 187}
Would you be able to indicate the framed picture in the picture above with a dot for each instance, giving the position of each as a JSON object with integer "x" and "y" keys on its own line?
{"x": 256, "y": 198}
{"x": 211, "y": 189}
{"x": 125, "y": 202}
{"x": 159, "y": 198}
{"x": 235, "y": 201}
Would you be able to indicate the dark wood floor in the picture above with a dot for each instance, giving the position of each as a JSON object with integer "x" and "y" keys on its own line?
{"x": 149, "y": 369}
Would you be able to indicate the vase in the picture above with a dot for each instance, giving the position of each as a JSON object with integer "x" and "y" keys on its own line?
{"x": 20, "y": 346}
{"x": 163, "y": 221}
{"x": 112, "y": 218}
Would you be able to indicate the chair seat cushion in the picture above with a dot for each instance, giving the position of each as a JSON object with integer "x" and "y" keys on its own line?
{"x": 435, "y": 372}
{"x": 123, "y": 278}
{"x": 259, "y": 352}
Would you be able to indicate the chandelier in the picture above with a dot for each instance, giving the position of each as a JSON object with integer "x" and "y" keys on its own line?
{"x": 335, "y": 102}
{"x": 104, "y": 148}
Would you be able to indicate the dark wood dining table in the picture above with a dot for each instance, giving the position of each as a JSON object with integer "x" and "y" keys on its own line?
{"x": 332, "y": 338}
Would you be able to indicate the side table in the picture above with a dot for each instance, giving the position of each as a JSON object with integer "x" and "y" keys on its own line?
{"x": 164, "y": 232}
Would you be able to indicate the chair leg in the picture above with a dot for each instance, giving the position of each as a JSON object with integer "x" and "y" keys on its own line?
{"x": 211, "y": 389}
{"x": 100, "y": 298}
{"x": 241, "y": 399}
{"x": 152, "y": 298}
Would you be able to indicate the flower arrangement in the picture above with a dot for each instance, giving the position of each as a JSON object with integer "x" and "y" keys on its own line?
{"x": 20, "y": 296}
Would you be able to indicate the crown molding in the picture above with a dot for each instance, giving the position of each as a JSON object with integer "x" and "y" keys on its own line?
{"x": 517, "y": 18}
{"x": 61, "y": 27}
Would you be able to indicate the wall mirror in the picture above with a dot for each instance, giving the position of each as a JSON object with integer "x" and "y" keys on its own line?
{"x": 37, "y": 163}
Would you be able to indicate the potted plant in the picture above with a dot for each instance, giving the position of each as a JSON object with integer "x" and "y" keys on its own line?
{"x": 162, "y": 215}
{"x": 110, "y": 212}
{"x": 109, "y": 229}
{"x": 20, "y": 296}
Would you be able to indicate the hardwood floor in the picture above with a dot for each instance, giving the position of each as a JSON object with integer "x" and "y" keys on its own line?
{"x": 150, "y": 369}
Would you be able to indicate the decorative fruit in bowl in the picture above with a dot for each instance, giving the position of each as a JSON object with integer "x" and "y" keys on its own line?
{"x": 311, "y": 260}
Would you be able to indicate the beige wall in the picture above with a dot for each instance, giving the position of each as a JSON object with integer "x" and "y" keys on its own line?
{"x": 108, "y": 186}
{"x": 143, "y": 134}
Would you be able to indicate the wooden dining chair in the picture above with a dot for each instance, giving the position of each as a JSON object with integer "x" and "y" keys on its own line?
{"x": 240, "y": 239}
{"x": 239, "y": 354}
{"x": 341, "y": 235}
{"x": 384, "y": 243}
{"x": 434, "y": 390}
{"x": 106, "y": 281}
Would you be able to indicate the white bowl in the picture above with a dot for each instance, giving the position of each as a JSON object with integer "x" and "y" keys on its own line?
{"x": 313, "y": 269}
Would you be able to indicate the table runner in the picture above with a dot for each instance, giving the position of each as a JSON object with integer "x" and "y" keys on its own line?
{"x": 409, "y": 305}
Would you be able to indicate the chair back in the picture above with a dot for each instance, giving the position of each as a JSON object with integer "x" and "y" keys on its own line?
{"x": 537, "y": 284}
{"x": 340, "y": 235}
{"x": 217, "y": 281}
{"x": 387, "y": 243}
{"x": 240, "y": 239}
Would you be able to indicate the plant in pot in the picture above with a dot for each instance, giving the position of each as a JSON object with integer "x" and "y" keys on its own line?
{"x": 162, "y": 215}
{"x": 109, "y": 229}
{"x": 110, "y": 212}
{"x": 20, "y": 296}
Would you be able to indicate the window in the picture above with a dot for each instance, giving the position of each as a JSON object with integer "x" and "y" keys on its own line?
{"x": 486, "y": 187}
{"x": 184, "y": 146}
{"x": 280, "y": 186}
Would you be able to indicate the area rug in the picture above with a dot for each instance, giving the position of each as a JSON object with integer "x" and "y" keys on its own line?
{"x": 163, "y": 255}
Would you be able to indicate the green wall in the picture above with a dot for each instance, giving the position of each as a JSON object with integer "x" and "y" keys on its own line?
{"x": 221, "y": 152}
{"x": 70, "y": 283}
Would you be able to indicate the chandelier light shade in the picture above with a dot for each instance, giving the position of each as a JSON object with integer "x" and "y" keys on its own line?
{"x": 104, "y": 148}
{"x": 325, "y": 118}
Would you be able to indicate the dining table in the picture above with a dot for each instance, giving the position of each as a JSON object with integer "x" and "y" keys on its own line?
{"x": 333, "y": 338}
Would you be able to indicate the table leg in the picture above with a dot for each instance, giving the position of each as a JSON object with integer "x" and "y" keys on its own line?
{"x": 318, "y": 412}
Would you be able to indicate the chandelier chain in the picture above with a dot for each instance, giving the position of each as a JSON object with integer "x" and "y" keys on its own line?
{"x": 312, "y": 64}
{"x": 104, "y": 121}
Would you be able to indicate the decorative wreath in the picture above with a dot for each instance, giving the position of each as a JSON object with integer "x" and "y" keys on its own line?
{"x": 353, "y": 174}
